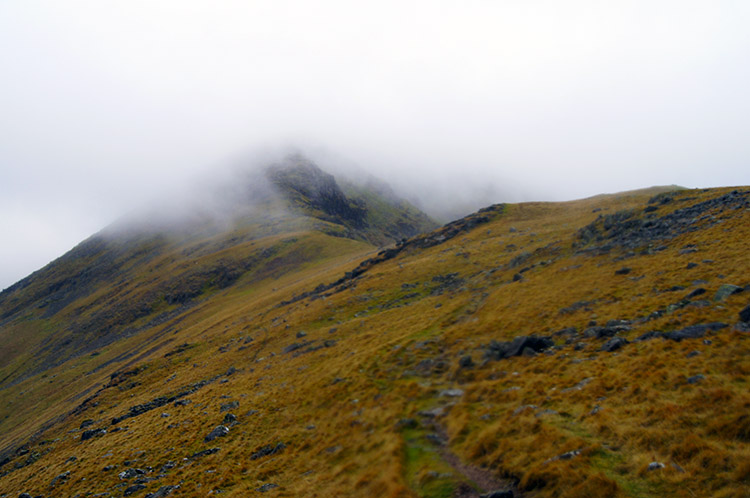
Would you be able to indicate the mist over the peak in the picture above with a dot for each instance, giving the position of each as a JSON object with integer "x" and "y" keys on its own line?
{"x": 106, "y": 107}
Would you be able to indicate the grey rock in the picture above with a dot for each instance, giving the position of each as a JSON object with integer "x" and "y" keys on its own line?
{"x": 499, "y": 350}
{"x": 452, "y": 393}
{"x": 163, "y": 491}
{"x": 92, "y": 433}
{"x": 230, "y": 418}
{"x": 655, "y": 466}
{"x": 695, "y": 379}
{"x": 601, "y": 332}
{"x": 614, "y": 344}
{"x": 301, "y": 334}
{"x": 267, "y": 487}
{"x": 229, "y": 406}
{"x": 693, "y": 331}
{"x": 268, "y": 450}
{"x": 726, "y": 290}
{"x": 466, "y": 362}
{"x": 652, "y": 334}
{"x": 745, "y": 314}
{"x": 86, "y": 423}
{"x": 623, "y": 271}
{"x": 203, "y": 453}
{"x": 130, "y": 473}
{"x": 433, "y": 413}
{"x": 219, "y": 431}
{"x": 62, "y": 477}
{"x": 133, "y": 489}
{"x": 695, "y": 293}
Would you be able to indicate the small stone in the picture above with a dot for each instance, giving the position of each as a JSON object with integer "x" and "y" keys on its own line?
{"x": 691, "y": 265}
{"x": 655, "y": 466}
{"x": 623, "y": 271}
{"x": 230, "y": 418}
{"x": 745, "y": 314}
{"x": 301, "y": 334}
{"x": 466, "y": 362}
{"x": 696, "y": 292}
{"x": 695, "y": 379}
{"x": 229, "y": 406}
{"x": 267, "y": 487}
{"x": 452, "y": 393}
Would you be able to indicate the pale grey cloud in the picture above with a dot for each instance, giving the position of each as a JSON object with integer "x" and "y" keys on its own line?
{"x": 107, "y": 104}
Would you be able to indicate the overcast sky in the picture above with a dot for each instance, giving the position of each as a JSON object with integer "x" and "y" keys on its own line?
{"x": 105, "y": 104}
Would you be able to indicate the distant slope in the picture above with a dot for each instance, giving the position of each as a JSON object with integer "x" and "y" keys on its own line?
{"x": 599, "y": 347}
{"x": 142, "y": 272}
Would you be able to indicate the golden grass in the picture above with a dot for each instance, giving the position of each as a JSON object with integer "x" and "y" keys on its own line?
{"x": 337, "y": 408}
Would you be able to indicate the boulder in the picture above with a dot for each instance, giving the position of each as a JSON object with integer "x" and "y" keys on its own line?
{"x": 693, "y": 331}
{"x": 726, "y": 290}
{"x": 499, "y": 350}
{"x": 92, "y": 433}
{"x": 614, "y": 344}
{"x": 219, "y": 431}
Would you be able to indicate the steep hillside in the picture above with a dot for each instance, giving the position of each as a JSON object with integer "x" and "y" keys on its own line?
{"x": 591, "y": 348}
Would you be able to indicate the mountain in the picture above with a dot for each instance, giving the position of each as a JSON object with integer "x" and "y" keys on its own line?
{"x": 309, "y": 336}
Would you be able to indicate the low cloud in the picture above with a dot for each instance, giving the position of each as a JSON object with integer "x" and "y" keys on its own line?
{"x": 106, "y": 107}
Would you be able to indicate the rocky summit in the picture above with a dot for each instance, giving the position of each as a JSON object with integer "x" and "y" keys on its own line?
{"x": 331, "y": 340}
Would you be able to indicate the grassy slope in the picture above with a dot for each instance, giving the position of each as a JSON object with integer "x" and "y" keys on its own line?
{"x": 391, "y": 345}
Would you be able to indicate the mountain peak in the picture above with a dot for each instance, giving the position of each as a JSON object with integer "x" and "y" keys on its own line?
{"x": 309, "y": 188}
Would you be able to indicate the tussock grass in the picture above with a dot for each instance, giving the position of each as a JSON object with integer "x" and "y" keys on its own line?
{"x": 336, "y": 405}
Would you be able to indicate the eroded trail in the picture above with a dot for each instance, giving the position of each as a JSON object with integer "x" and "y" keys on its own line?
{"x": 476, "y": 477}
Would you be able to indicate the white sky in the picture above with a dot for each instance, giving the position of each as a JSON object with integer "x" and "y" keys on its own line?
{"x": 104, "y": 104}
